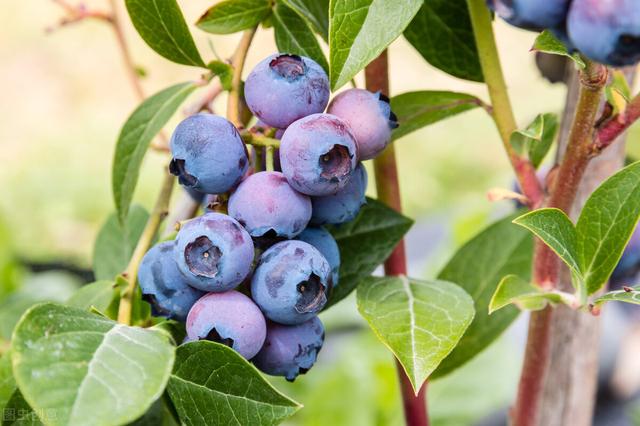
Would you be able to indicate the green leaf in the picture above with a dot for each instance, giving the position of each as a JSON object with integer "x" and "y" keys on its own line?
{"x": 316, "y": 12}
{"x": 514, "y": 290}
{"x": 420, "y": 321}
{"x": 606, "y": 224}
{"x": 360, "y": 30}
{"x": 522, "y": 139}
{"x": 91, "y": 370}
{"x": 441, "y": 32}
{"x": 419, "y": 109}
{"x": 211, "y": 384}
{"x": 548, "y": 43}
{"x": 365, "y": 243}
{"x": 556, "y": 230}
{"x": 136, "y": 134}
{"x": 293, "y": 35}
{"x": 102, "y": 295}
{"x": 19, "y": 413}
{"x": 224, "y": 71}
{"x": 231, "y": 16}
{"x": 477, "y": 267}
{"x": 162, "y": 26}
{"x": 538, "y": 150}
{"x": 627, "y": 295}
{"x": 7, "y": 383}
{"x": 115, "y": 243}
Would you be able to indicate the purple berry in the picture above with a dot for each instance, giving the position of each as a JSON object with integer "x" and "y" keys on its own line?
{"x": 318, "y": 154}
{"x": 291, "y": 282}
{"x": 230, "y": 318}
{"x": 533, "y": 15}
{"x": 208, "y": 154}
{"x": 163, "y": 286}
{"x": 369, "y": 117}
{"x": 344, "y": 205}
{"x": 214, "y": 252}
{"x": 290, "y": 350}
{"x": 266, "y": 205}
{"x": 606, "y": 31}
{"x": 284, "y": 88}
{"x": 321, "y": 239}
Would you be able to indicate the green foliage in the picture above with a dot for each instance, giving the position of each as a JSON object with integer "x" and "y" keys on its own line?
{"x": 377, "y": 228}
{"x": 7, "y": 383}
{"x": 514, "y": 290}
{"x": 316, "y": 12}
{"x": 136, "y": 134}
{"x": 162, "y": 26}
{"x": 211, "y": 384}
{"x": 627, "y": 295}
{"x": 548, "y": 43}
{"x": 536, "y": 139}
{"x": 101, "y": 295}
{"x": 420, "y": 321}
{"x": 90, "y": 369}
{"x": 224, "y": 72}
{"x": 441, "y": 32}
{"x": 477, "y": 267}
{"x": 230, "y": 16}
{"x": 115, "y": 243}
{"x": 360, "y": 30}
{"x": 419, "y": 109}
{"x": 293, "y": 35}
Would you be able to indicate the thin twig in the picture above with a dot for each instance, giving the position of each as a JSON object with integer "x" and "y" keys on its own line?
{"x": 237, "y": 63}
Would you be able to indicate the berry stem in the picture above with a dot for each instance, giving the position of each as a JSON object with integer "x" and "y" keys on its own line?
{"x": 237, "y": 63}
{"x": 501, "y": 110}
{"x": 388, "y": 188}
{"x": 158, "y": 213}
{"x": 258, "y": 140}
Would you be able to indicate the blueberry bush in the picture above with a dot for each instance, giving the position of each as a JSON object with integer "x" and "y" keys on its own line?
{"x": 199, "y": 301}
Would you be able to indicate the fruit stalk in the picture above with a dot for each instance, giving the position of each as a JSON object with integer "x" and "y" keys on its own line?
{"x": 388, "y": 188}
{"x": 237, "y": 63}
{"x": 502, "y": 113}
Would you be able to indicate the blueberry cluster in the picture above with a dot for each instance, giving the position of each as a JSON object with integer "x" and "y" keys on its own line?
{"x": 605, "y": 31}
{"x": 256, "y": 278}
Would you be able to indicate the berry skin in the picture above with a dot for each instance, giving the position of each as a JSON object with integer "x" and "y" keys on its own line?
{"x": 162, "y": 284}
{"x": 284, "y": 88}
{"x": 291, "y": 281}
{"x": 534, "y": 15}
{"x": 230, "y": 318}
{"x": 321, "y": 239}
{"x": 290, "y": 350}
{"x": 318, "y": 154}
{"x": 266, "y": 205}
{"x": 606, "y": 31}
{"x": 208, "y": 154}
{"x": 214, "y": 252}
{"x": 343, "y": 206}
{"x": 627, "y": 269}
{"x": 369, "y": 117}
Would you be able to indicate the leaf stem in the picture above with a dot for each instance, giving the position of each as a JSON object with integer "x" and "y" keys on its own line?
{"x": 388, "y": 188}
{"x": 501, "y": 110}
{"x": 237, "y": 62}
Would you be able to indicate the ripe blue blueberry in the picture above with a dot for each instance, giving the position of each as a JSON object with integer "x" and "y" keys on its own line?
{"x": 321, "y": 239}
{"x": 208, "y": 154}
{"x": 318, "y": 154}
{"x": 290, "y": 350}
{"x": 627, "y": 269}
{"x": 267, "y": 206}
{"x": 214, "y": 252}
{"x": 284, "y": 88}
{"x": 606, "y": 31}
{"x": 369, "y": 117}
{"x": 291, "y": 282}
{"x": 533, "y": 15}
{"x": 345, "y": 204}
{"x": 163, "y": 286}
{"x": 230, "y": 318}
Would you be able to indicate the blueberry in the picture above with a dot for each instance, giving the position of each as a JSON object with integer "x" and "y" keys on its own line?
{"x": 321, "y": 239}
{"x": 318, "y": 154}
{"x": 284, "y": 88}
{"x": 214, "y": 252}
{"x": 162, "y": 284}
{"x": 230, "y": 318}
{"x": 266, "y": 205}
{"x": 627, "y": 269}
{"x": 291, "y": 282}
{"x": 290, "y": 350}
{"x": 208, "y": 154}
{"x": 369, "y": 117}
{"x": 606, "y": 31}
{"x": 344, "y": 205}
{"x": 533, "y": 15}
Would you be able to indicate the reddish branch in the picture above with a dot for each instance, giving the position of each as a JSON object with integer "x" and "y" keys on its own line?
{"x": 616, "y": 125}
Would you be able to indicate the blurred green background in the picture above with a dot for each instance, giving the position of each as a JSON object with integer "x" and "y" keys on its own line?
{"x": 64, "y": 96}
